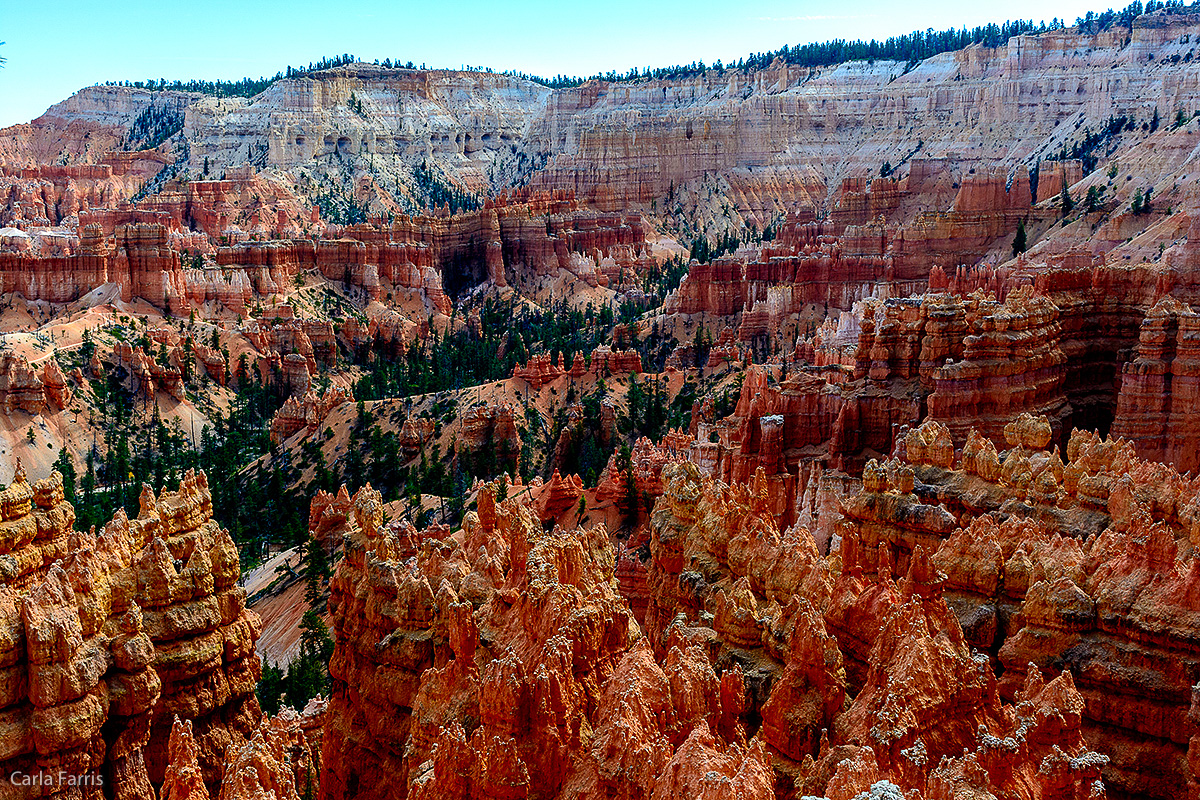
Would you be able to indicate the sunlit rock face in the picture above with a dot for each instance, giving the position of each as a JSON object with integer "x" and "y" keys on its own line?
{"x": 112, "y": 637}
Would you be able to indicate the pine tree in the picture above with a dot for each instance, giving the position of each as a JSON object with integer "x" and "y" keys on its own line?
{"x": 88, "y": 347}
{"x": 1020, "y": 244}
{"x": 66, "y": 468}
{"x": 1064, "y": 199}
{"x": 629, "y": 498}
{"x": 316, "y": 572}
{"x": 308, "y": 675}
{"x": 270, "y": 687}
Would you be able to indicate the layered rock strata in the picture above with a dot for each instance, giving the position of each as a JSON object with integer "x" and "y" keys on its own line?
{"x": 111, "y": 636}
{"x": 1083, "y": 562}
{"x": 1158, "y": 406}
{"x": 152, "y": 254}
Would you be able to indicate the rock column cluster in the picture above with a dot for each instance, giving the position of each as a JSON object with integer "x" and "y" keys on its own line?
{"x": 108, "y": 637}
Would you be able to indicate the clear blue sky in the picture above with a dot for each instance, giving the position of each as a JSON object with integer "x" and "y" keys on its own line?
{"x": 54, "y": 49}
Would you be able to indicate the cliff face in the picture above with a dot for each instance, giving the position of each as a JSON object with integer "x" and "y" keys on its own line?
{"x": 791, "y": 426}
{"x": 834, "y": 264}
{"x": 786, "y": 119}
{"x": 406, "y": 113}
{"x": 109, "y": 637}
{"x": 413, "y": 262}
{"x": 972, "y": 362}
{"x": 85, "y": 127}
{"x": 1088, "y": 344}
{"x": 779, "y": 138}
{"x": 1157, "y": 403}
{"x": 56, "y": 194}
{"x": 1011, "y": 363}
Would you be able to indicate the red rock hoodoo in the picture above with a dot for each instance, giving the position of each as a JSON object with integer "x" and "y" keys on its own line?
{"x": 111, "y": 637}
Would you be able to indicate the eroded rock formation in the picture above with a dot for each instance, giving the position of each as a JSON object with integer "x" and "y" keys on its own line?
{"x": 522, "y": 673}
{"x": 742, "y": 679}
{"x": 111, "y": 636}
{"x": 24, "y": 387}
{"x": 1081, "y": 562}
{"x": 307, "y": 412}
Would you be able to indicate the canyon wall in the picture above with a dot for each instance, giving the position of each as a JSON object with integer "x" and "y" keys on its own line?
{"x": 1056, "y": 343}
{"x": 151, "y": 254}
{"x": 779, "y": 137}
{"x": 976, "y": 106}
{"x": 1157, "y": 404}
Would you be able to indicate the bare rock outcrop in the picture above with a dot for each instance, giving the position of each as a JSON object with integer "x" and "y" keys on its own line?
{"x": 24, "y": 387}
{"x": 1083, "y": 563}
{"x": 307, "y": 412}
{"x": 112, "y": 636}
{"x": 523, "y": 673}
{"x": 1158, "y": 407}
